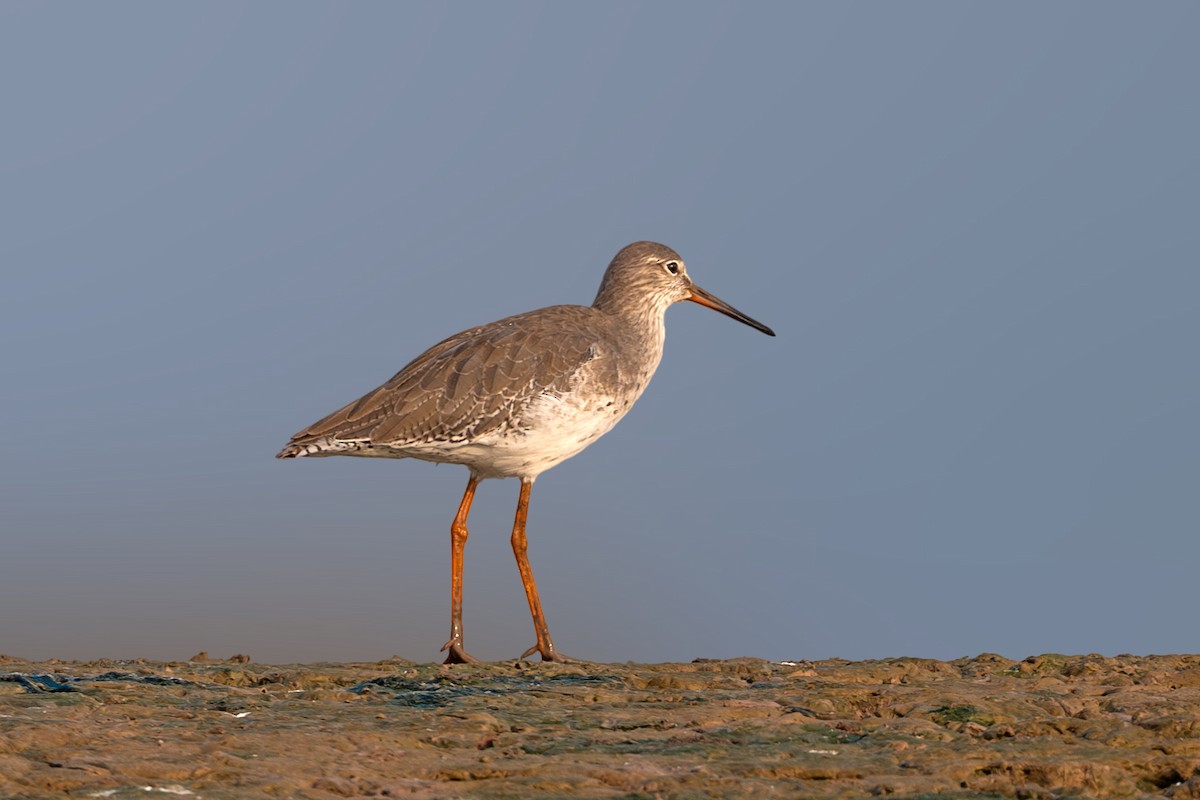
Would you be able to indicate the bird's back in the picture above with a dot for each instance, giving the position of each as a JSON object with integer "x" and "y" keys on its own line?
{"x": 496, "y": 383}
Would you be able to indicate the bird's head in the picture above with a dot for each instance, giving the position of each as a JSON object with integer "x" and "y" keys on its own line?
{"x": 652, "y": 276}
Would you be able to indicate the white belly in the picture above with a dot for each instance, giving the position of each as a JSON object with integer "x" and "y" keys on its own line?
{"x": 550, "y": 430}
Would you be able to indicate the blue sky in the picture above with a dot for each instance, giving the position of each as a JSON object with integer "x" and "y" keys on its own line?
{"x": 973, "y": 226}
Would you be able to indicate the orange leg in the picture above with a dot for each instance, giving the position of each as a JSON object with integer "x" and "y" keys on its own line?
{"x": 545, "y": 645}
{"x": 458, "y": 542}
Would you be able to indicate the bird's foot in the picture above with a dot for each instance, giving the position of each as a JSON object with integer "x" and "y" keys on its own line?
{"x": 550, "y": 654}
{"x": 457, "y": 654}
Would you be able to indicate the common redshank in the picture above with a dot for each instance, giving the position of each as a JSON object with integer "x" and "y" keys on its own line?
{"x": 515, "y": 397}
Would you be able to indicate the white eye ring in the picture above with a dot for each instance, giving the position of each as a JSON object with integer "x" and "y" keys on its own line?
{"x": 672, "y": 267}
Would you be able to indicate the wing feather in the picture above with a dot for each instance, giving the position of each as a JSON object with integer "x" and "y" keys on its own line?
{"x": 472, "y": 383}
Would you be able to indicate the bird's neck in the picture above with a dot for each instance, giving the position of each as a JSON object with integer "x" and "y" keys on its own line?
{"x": 640, "y": 324}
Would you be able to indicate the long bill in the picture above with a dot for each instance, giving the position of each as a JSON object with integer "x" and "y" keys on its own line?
{"x": 709, "y": 300}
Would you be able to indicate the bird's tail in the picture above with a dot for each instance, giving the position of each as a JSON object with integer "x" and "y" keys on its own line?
{"x": 305, "y": 444}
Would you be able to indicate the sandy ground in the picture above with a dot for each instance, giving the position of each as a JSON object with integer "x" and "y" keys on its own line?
{"x": 1048, "y": 726}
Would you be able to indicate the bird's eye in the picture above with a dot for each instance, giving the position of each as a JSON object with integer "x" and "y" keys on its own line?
{"x": 672, "y": 267}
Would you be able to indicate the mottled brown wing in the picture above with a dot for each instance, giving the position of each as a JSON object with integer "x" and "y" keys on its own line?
{"x": 466, "y": 385}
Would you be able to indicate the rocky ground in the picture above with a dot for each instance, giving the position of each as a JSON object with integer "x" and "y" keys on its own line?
{"x": 1048, "y": 726}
